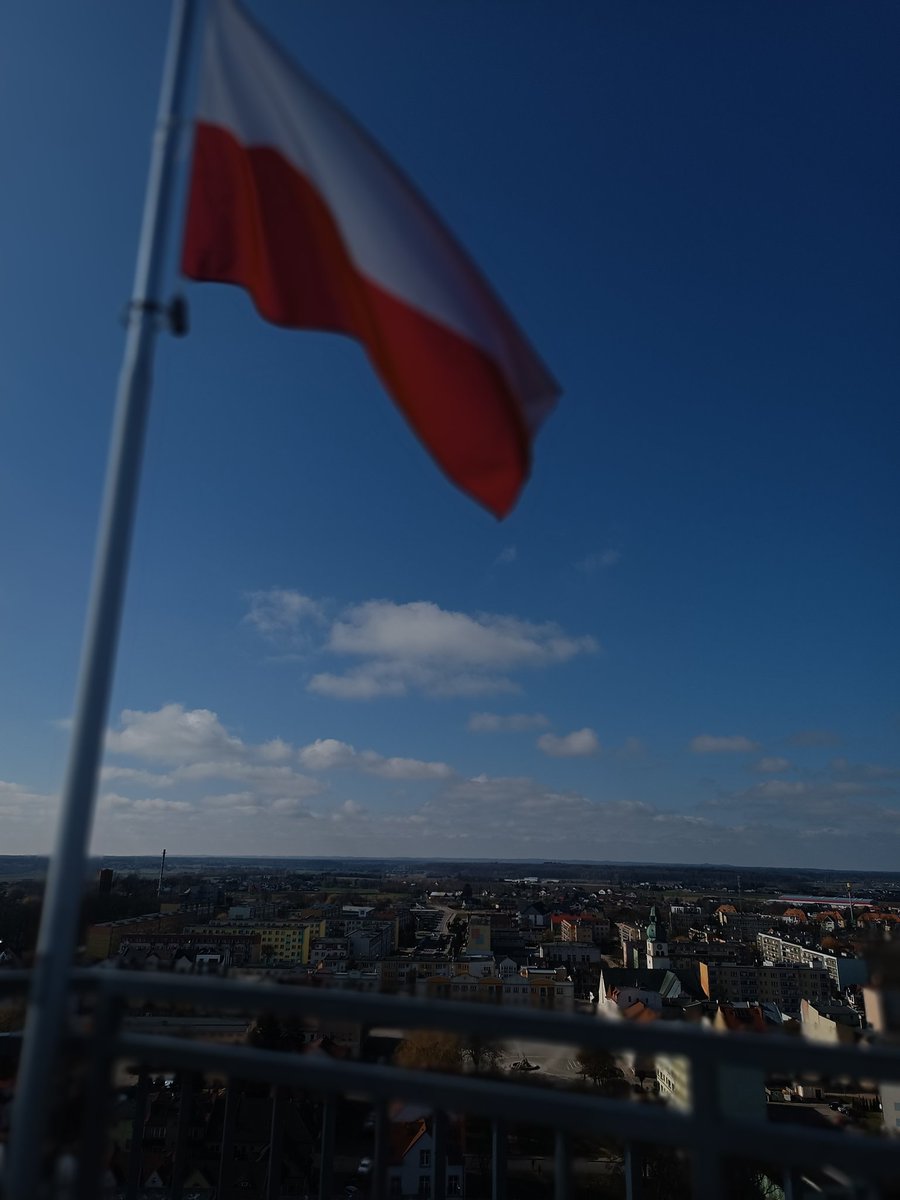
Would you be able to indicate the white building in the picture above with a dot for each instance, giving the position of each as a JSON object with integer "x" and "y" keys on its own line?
{"x": 411, "y": 1163}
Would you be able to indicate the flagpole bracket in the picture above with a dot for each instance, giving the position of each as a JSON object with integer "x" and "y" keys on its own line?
{"x": 172, "y": 316}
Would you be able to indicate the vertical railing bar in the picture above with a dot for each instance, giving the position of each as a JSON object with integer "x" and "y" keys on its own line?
{"x": 706, "y": 1161}
{"x": 326, "y": 1151}
{"x": 562, "y": 1167}
{"x": 181, "y": 1136}
{"x": 226, "y": 1150}
{"x": 498, "y": 1160}
{"x": 136, "y": 1153}
{"x": 98, "y": 1097}
{"x": 788, "y": 1182}
{"x": 382, "y": 1149}
{"x": 276, "y": 1129}
{"x": 634, "y": 1171}
{"x": 439, "y": 1156}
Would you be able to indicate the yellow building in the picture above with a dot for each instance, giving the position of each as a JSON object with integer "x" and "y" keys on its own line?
{"x": 280, "y": 941}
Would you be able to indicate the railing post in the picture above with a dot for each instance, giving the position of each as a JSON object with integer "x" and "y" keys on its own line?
{"x": 276, "y": 1130}
{"x": 97, "y": 1099}
{"x": 706, "y": 1162}
{"x": 498, "y": 1160}
{"x": 226, "y": 1150}
{"x": 562, "y": 1167}
{"x": 181, "y": 1136}
{"x": 326, "y": 1149}
{"x": 439, "y": 1156}
{"x": 382, "y": 1150}
{"x": 634, "y": 1171}
{"x": 136, "y": 1153}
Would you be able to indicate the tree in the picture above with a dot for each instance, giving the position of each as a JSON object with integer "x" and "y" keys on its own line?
{"x": 597, "y": 1065}
{"x": 483, "y": 1053}
{"x": 428, "y": 1050}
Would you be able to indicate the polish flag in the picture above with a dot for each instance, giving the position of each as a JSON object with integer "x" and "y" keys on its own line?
{"x": 292, "y": 200}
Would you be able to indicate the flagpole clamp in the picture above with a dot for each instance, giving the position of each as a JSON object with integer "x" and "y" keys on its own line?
{"x": 172, "y": 316}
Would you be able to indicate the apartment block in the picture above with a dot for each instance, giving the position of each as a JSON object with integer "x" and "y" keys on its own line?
{"x": 784, "y": 984}
{"x": 844, "y": 969}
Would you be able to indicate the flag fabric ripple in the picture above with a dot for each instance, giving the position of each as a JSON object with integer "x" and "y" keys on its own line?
{"x": 292, "y": 200}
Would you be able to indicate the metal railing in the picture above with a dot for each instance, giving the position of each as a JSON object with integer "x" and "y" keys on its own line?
{"x": 709, "y": 1133}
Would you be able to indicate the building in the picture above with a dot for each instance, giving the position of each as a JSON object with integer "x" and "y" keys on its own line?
{"x": 479, "y": 938}
{"x": 585, "y": 927}
{"x": 621, "y": 987}
{"x": 574, "y": 955}
{"x": 743, "y": 925}
{"x": 410, "y": 1168}
{"x": 105, "y": 937}
{"x": 845, "y": 970}
{"x": 633, "y": 944}
{"x": 784, "y": 984}
{"x": 286, "y": 942}
{"x": 824, "y": 1022}
{"x": 657, "y": 943}
{"x": 530, "y": 986}
{"x": 682, "y": 917}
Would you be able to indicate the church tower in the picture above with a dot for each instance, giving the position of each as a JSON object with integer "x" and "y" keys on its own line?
{"x": 657, "y": 942}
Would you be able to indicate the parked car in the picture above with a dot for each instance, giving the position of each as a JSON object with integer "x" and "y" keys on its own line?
{"x": 524, "y": 1065}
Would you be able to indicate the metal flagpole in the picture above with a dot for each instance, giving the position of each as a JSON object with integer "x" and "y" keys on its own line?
{"x": 48, "y": 1001}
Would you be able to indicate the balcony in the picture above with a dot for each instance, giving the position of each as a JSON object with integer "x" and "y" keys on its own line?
{"x": 713, "y": 1140}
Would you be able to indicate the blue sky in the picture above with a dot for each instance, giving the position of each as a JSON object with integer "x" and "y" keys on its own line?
{"x": 685, "y": 637}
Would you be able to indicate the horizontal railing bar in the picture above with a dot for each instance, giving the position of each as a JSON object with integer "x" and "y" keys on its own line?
{"x": 862, "y": 1156}
{"x": 774, "y": 1051}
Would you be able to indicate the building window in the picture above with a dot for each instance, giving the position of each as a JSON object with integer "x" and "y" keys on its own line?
{"x": 395, "y": 1188}
{"x": 453, "y": 1186}
{"x": 424, "y": 1185}
{"x": 424, "y": 1158}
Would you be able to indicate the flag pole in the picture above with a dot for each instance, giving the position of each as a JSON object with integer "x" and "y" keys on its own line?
{"x": 49, "y": 996}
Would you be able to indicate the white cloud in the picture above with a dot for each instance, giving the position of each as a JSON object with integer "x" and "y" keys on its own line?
{"x": 276, "y": 750}
{"x": 281, "y": 612}
{"x": 599, "y": 560}
{"x": 507, "y": 555}
{"x": 111, "y": 773}
{"x": 265, "y": 779}
{"x": 327, "y": 753}
{"x": 581, "y": 743}
{"x": 357, "y": 685}
{"x": 290, "y": 805}
{"x": 705, "y": 743}
{"x": 144, "y": 806}
{"x": 404, "y": 768}
{"x": 351, "y": 809}
{"x": 22, "y": 812}
{"x": 772, "y": 764}
{"x": 420, "y": 646}
{"x": 198, "y": 748}
{"x": 172, "y": 734}
{"x": 489, "y": 722}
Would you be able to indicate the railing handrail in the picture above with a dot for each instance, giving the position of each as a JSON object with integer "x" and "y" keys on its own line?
{"x": 774, "y": 1051}
{"x": 567, "y": 1111}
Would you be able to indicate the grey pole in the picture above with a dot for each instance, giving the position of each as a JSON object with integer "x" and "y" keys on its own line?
{"x": 47, "y": 1005}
